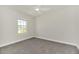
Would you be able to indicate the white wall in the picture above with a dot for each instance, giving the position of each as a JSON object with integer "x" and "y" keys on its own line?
{"x": 60, "y": 25}
{"x": 76, "y": 22}
{"x": 0, "y": 28}
{"x": 8, "y": 26}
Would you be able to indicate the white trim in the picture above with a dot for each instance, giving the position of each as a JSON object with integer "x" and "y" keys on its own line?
{"x": 58, "y": 41}
{"x": 40, "y": 38}
{"x": 9, "y": 43}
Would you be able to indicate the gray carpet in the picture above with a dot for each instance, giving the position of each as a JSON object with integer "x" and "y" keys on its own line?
{"x": 39, "y": 46}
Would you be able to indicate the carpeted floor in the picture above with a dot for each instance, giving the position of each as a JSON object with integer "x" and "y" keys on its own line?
{"x": 39, "y": 46}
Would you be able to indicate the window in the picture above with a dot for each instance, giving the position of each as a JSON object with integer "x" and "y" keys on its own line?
{"x": 22, "y": 26}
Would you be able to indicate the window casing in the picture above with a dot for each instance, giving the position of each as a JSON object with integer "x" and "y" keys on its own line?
{"x": 22, "y": 26}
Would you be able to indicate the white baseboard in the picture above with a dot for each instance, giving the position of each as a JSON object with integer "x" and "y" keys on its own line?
{"x": 9, "y": 43}
{"x": 58, "y": 41}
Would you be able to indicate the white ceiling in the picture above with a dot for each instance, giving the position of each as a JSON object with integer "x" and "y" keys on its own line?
{"x": 30, "y": 9}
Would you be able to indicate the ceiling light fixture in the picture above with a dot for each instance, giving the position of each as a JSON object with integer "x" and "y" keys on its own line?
{"x": 37, "y": 9}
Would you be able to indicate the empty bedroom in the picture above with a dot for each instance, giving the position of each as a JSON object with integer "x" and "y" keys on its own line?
{"x": 39, "y": 29}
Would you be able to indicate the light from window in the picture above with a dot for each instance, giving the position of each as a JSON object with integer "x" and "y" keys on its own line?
{"x": 22, "y": 26}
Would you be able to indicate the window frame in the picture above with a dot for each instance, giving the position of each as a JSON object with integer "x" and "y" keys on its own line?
{"x": 21, "y": 26}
